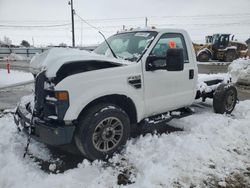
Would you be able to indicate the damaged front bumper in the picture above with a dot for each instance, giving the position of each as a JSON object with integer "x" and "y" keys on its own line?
{"x": 49, "y": 132}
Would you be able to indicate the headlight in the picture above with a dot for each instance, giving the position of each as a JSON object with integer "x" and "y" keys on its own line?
{"x": 62, "y": 95}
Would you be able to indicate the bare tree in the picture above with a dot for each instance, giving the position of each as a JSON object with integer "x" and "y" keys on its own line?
{"x": 7, "y": 40}
{"x": 25, "y": 43}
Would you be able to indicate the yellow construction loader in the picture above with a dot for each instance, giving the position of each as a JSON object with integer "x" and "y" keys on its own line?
{"x": 220, "y": 47}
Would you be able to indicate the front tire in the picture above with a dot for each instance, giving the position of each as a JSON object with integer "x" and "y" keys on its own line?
{"x": 103, "y": 130}
{"x": 203, "y": 57}
{"x": 230, "y": 56}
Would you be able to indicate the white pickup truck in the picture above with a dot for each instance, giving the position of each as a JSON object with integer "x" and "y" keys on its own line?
{"x": 96, "y": 99}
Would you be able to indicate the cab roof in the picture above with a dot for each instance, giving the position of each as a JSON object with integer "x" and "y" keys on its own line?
{"x": 158, "y": 30}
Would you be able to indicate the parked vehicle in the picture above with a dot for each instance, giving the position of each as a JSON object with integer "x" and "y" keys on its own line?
{"x": 96, "y": 100}
{"x": 220, "y": 47}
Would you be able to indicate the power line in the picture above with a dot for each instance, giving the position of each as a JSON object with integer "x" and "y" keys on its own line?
{"x": 92, "y": 26}
{"x": 136, "y": 18}
{"x": 154, "y": 18}
{"x": 117, "y": 26}
{"x": 194, "y": 22}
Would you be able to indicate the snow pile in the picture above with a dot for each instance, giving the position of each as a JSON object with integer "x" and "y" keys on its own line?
{"x": 240, "y": 69}
{"x": 14, "y": 77}
{"x": 202, "y": 78}
{"x": 211, "y": 145}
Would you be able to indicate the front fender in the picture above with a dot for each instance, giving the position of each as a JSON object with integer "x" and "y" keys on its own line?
{"x": 84, "y": 89}
{"x": 78, "y": 104}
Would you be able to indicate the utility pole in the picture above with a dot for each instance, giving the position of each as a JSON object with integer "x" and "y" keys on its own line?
{"x": 72, "y": 22}
{"x": 81, "y": 33}
{"x": 33, "y": 42}
{"x": 146, "y": 22}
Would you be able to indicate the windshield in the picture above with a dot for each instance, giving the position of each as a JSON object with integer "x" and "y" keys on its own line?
{"x": 129, "y": 46}
{"x": 216, "y": 38}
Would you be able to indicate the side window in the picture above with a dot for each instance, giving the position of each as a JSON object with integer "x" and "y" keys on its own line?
{"x": 169, "y": 40}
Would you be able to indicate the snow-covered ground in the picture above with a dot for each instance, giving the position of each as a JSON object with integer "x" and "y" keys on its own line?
{"x": 211, "y": 147}
{"x": 14, "y": 77}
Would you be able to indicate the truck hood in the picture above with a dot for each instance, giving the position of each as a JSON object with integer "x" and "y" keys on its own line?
{"x": 51, "y": 60}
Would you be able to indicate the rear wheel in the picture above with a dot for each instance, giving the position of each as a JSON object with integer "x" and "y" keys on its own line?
{"x": 103, "y": 130}
{"x": 203, "y": 57}
{"x": 230, "y": 56}
{"x": 225, "y": 98}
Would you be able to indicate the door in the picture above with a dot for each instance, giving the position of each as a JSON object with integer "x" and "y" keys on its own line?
{"x": 168, "y": 90}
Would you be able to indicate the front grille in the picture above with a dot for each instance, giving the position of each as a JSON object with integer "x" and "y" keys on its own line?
{"x": 46, "y": 105}
{"x": 39, "y": 94}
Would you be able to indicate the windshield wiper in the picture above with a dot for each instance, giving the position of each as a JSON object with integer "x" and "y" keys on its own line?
{"x": 113, "y": 53}
{"x": 146, "y": 48}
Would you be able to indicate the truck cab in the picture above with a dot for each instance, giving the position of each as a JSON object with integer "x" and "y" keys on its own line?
{"x": 150, "y": 51}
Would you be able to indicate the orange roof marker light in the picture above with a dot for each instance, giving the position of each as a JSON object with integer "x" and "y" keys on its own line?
{"x": 172, "y": 44}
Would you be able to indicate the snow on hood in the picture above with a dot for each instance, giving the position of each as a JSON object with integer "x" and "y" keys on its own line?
{"x": 51, "y": 60}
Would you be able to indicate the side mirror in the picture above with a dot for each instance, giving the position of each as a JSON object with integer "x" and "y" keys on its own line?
{"x": 175, "y": 59}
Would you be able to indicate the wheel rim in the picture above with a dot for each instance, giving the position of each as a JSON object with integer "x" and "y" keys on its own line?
{"x": 107, "y": 134}
{"x": 230, "y": 100}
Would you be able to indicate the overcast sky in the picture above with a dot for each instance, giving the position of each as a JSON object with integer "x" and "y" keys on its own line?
{"x": 199, "y": 17}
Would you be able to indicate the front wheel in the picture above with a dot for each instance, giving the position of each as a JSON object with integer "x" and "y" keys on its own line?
{"x": 203, "y": 57}
{"x": 225, "y": 98}
{"x": 103, "y": 130}
{"x": 230, "y": 56}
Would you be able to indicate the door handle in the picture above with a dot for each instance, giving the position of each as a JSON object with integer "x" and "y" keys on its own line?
{"x": 191, "y": 74}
